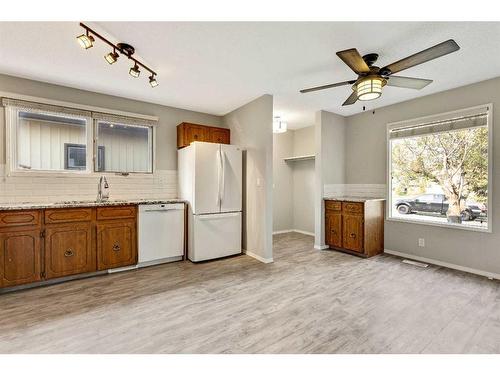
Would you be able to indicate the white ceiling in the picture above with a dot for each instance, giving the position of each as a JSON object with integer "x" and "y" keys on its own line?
{"x": 216, "y": 67}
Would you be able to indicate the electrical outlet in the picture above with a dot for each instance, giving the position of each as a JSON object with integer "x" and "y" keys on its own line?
{"x": 421, "y": 242}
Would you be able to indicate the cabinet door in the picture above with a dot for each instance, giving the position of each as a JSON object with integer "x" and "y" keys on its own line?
{"x": 195, "y": 133}
{"x": 352, "y": 236}
{"x": 219, "y": 135}
{"x": 19, "y": 257}
{"x": 333, "y": 229}
{"x": 116, "y": 244}
{"x": 69, "y": 250}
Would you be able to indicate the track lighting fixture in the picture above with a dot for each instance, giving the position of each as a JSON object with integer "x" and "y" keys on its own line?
{"x": 134, "y": 71}
{"x": 152, "y": 81}
{"x": 111, "y": 57}
{"x": 87, "y": 40}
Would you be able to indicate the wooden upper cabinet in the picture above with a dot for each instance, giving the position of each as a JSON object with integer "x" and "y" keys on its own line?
{"x": 20, "y": 257}
{"x": 116, "y": 244}
{"x": 188, "y": 132}
{"x": 69, "y": 250}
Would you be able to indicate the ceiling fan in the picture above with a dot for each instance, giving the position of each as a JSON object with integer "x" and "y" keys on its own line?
{"x": 371, "y": 78}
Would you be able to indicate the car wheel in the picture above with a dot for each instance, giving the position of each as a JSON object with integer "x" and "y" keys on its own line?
{"x": 466, "y": 216}
{"x": 403, "y": 209}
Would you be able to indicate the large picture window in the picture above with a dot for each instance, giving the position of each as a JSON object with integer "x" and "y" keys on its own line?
{"x": 439, "y": 169}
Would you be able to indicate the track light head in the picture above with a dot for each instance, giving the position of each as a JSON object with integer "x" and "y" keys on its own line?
{"x": 111, "y": 57}
{"x": 134, "y": 71}
{"x": 86, "y": 40}
{"x": 152, "y": 81}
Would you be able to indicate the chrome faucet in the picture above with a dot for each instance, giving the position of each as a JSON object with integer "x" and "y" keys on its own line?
{"x": 102, "y": 189}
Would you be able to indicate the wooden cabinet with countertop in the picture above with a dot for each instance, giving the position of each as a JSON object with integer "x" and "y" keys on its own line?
{"x": 356, "y": 227}
{"x": 49, "y": 243}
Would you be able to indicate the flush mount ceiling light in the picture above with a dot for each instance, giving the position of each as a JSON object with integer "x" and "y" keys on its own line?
{"x": 87, "y": 40}
{"x": 279, "y": 126}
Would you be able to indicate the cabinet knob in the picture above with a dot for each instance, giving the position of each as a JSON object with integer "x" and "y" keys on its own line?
{"x": 353, "y": 235}
{"x": 69, "y": 253}
{"x": 116, "y": 246}
{"x": 195, "y": 136}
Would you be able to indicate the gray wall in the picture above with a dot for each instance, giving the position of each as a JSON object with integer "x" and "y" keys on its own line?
{"x": 365, "y": 163}
{"x": 293, "y": 182}
{"x": 166, "y": 152}
{"x": 251, "y": 128}
{"x": 282, "y": 182}
{"x": 330, "y": 134}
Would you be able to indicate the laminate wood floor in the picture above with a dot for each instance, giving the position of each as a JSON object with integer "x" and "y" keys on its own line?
{"x": 307, "y": 301}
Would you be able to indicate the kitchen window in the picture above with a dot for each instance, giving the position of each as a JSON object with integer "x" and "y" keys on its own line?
{"x": 52, "y": 139}
{"x": 440, "y": 168}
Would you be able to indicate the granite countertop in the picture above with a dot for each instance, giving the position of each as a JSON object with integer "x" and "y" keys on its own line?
{"x": 351, "y": 199}
{"x": 85, "y": 203}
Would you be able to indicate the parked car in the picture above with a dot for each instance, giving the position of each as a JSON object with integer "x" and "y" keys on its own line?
{"x": 436, "y": 204}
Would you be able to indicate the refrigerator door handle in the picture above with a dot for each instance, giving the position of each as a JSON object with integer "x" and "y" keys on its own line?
{"x": 223, "y": 183}
{"x": 217, "y": 216}
{"x": 219, "y": 175}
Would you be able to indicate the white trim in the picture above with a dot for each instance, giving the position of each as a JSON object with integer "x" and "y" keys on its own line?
{"x": 437, "y": 224}
{"x": 282, "y": 231}
{"x": 391, "y": 125}
{"x": 293, "y": 230}
{"x": 321, "y": 247}
{"x": 490, "y": 275}
{"x": 303, "y": 232}
{"x": 258, "y": 257}
{"x": 76, "y": 105}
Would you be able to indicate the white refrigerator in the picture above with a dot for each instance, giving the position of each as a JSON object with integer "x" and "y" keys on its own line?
{"x": 210, "y": 180}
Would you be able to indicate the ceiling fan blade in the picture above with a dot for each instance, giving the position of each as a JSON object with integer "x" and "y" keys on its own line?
{"x": 428, "y": 54}
{"x": 354, "y": 60}
{"x": 353, "y": 98}
{"x": 408, "y": 82}
{"x": 303, "y": 91}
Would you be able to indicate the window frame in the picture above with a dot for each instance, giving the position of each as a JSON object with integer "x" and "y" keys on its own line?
{"x": 11, "y": 121}
{"x": 10, "y": 145}
{"x": 432, "y": 118}
{"x": 151, "y": 142}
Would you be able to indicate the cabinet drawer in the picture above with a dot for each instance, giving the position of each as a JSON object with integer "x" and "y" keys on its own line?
{"x": 118, "y": 212}
{"x": 67, "y": 215}
{"x": 352, "y": 207}
{"x": 18, "y": 218}
{"x": 333, "y": 205}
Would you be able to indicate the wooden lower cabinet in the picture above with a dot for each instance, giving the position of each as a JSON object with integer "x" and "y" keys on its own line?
{"x": 37, "y": 245}
{"x": 69, "y": 250}
{"x": 116, "y": 244}
{"x": 20, "y": 255}
{"x": 355, "y": 227}
{"x": 334, "y": 229}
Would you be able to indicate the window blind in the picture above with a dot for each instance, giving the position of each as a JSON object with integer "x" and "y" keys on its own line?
{"x": 458, "y": 123}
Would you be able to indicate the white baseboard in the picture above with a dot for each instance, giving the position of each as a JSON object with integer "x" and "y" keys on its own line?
{"x": 283, "y": 231}
{"x": 321, "y": 247}
{"x": 258, "y": 257}
{"x": 490, "y": 275}
{"x": 293, "y": 230}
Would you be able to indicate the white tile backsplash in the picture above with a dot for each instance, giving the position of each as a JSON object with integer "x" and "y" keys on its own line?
{"x": 355, "y": 190}
{"x": 15, "y": 189}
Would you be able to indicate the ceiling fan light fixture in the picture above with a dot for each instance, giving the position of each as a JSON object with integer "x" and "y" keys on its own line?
{"x": 279, "y": 126}
{"x": 370, "y": 88}
{"x": 86, "y": 40}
